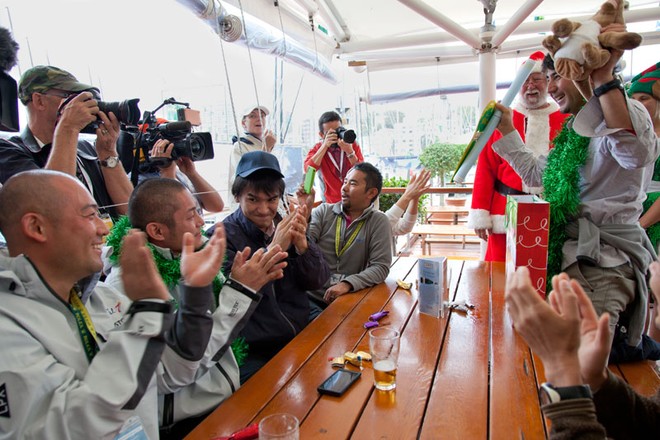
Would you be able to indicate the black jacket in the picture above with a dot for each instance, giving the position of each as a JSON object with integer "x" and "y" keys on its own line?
{"x": 284, "y": 308}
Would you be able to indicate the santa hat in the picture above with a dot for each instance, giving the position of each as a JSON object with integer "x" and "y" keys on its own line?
{"x": 647, "y": 82}
{"x": 538, "y": 57}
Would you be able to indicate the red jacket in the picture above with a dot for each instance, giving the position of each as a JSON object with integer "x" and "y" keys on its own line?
{"x": 331, "y": 180}
{"x": 487, "y": 204}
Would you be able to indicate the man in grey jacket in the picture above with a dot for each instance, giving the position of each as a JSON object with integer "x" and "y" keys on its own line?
{"x": 353, "y": 235}
{"x": 165, "y": 210}
{"x": 78, "y": 358}
{"x": 594, "y": 180}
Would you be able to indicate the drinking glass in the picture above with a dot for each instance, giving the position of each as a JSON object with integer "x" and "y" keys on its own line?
{"x": 384, "y": 347}
{"x": 278, "y": 427}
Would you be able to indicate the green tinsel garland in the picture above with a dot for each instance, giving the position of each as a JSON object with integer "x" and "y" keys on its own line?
{"x": 652, "y": 231}
{"x": 561, "y": 189}
{"x": 170, "y": 272}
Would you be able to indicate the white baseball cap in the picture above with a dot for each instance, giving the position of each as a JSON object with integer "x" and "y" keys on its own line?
{"x": 252, "y": 108}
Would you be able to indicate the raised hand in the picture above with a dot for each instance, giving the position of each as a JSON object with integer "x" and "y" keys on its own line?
{"x": 264, "y": 266}
{"x": 269, "y": 140}
{"x": 306, "y": 199}
{"x": 418, "y": 184}
{"x": 139, "y": 273}
{"x": 78, "y": 112}
{"x": 298, "y": 229}
{"x": 200, "y": 268}
{"x": 329, "y": 139}
{"x": 282, "y": 236}
{"x": 107, "y": 135}
{"x": 552, "y": 332}
{"x": 595, "y": 339}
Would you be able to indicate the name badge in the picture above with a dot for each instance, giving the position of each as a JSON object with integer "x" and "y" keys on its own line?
{"x": 132, "y": 430}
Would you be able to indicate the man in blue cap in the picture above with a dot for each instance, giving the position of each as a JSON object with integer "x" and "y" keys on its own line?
{"x": 284, "y": 308}
{"x": 50, "y": 139}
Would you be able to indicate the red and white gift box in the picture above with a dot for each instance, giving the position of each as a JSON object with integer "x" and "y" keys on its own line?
{"x": 527, "y": 224}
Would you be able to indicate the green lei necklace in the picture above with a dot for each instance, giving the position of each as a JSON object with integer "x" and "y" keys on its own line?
{"x": 561, "y": 189}
{"x": 170, "y": 272}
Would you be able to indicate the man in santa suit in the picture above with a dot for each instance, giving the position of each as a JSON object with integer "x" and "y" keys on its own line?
{"x": 538, "y": 122}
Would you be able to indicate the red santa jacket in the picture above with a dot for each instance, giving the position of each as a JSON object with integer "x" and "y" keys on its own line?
{"x": 537, "y": 128}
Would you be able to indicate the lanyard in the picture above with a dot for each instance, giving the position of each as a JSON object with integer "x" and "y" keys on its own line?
{"x": 350, "y": 240}
{"x": 339, "y": 167}
{"x": 85, "y": 325}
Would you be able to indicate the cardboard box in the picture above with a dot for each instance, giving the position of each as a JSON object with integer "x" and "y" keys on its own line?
{"x": 527, "y": 225}
{"x": 432, "y": 285}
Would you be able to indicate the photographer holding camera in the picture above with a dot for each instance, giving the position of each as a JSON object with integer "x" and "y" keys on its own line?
{"x": 334, "y": 156}
{"x": 51, "y": 138}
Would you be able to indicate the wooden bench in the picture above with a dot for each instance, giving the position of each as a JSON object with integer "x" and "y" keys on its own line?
{"x": 447, "y": 215}
{"x": 444, "y": 234}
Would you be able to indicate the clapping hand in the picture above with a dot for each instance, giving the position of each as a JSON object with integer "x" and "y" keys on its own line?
{"x": 139, "y": 273}
{"x": 199, "y": 268}
{"x": 264, "y": 266}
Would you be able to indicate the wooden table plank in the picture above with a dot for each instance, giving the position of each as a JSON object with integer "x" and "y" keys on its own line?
{"x": 458, "y": 403}
{"x": 641, "y": 376}
{"x": 334, "y": 417}
{"x": 402, "y": 411}
{"x": 244, "y": 406}
{"x": 514, "y": 407}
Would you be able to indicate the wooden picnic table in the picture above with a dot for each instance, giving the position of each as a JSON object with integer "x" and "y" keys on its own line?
{"x": 454, "y": 211}
{"x": 462, "y": 376}
{"x": 432, "y": 233}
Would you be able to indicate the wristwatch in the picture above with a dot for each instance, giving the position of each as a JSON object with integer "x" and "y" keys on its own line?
{"x": 550, "y": 394}
{"x": 614, "y": 84}
{"x": 110, "y": 162}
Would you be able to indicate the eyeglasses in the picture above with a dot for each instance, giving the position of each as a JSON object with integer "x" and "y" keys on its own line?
{"x": 59, "y": 93}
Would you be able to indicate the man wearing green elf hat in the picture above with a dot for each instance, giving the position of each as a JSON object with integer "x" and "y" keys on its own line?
{"x": 645, "y": 88}
{"x": 594, "y": 180}
{"x": 165, "y": 210}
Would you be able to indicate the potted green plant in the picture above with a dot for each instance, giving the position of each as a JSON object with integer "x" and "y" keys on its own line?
{"x": 442, "y": 159}
{"x": 386, "y": 201}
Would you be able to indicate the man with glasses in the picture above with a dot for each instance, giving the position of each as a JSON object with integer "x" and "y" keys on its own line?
{"x": 538, "y": 121}
{"x": 51, "y": 138}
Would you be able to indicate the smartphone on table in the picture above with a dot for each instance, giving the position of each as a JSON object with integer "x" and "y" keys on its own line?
{"x": 339, "y": 382}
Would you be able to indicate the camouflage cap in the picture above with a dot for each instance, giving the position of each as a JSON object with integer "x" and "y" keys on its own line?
{"x": 40, "y": 79}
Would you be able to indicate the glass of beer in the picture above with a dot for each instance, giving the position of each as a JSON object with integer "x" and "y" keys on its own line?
{"x": 384, "y": 347}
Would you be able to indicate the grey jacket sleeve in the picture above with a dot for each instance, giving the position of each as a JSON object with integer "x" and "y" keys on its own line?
{"x": 193, "y": 323}
{"x": 380, "y": 254}
{"x": 50, "y": 399}
{"x": 233, "y": 312}
{"x": 513, "y": 150}
{"x": 315, "y": 227}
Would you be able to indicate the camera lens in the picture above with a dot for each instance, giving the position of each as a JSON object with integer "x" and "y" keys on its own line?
{"x": 201, "y": 146}
{"x": 347, "y": 136}
{"x": 126, "y": 111}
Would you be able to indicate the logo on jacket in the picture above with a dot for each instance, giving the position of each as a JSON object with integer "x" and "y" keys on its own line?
{"x": 4, "y": 402}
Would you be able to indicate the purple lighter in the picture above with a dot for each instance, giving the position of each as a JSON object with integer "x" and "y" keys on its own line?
{"x": 370, "y": 324}
{"x": 379, "y": 315}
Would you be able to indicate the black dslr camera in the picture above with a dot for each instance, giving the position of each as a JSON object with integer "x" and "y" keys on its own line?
{"x": 127, "y": 111}
{"x": 345, "y": 135}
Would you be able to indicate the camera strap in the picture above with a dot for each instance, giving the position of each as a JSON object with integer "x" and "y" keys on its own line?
{"x": 339, "y": 167}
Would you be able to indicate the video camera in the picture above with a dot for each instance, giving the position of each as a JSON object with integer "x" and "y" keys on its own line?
{"x": 138, "y": 140}
{"x": 196, "y": 146}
